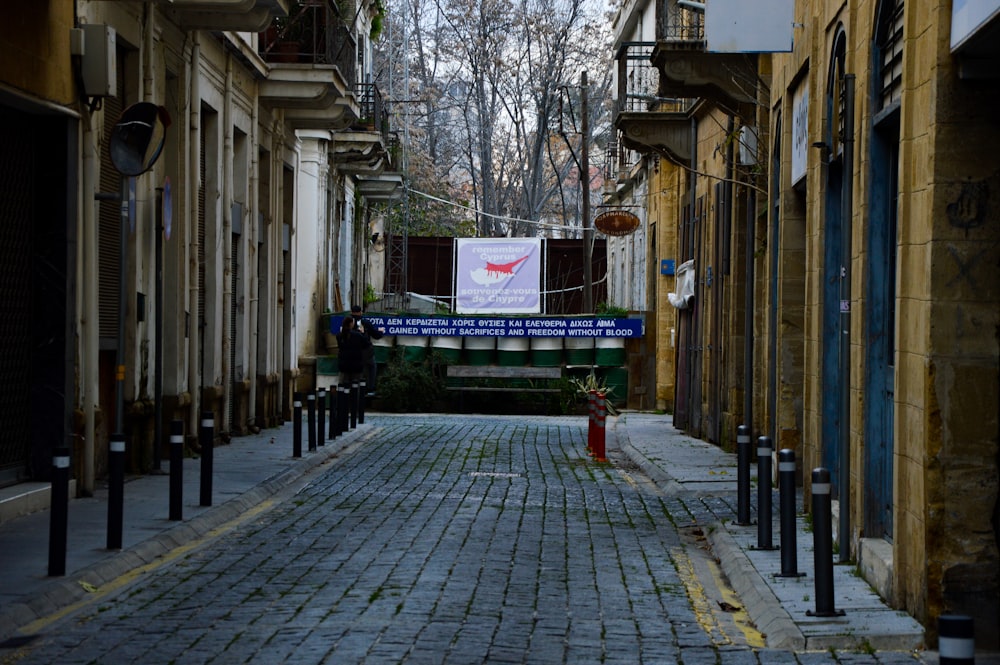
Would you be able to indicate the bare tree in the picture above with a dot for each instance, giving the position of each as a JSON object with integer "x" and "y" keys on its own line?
{"x": 487, "y": 77}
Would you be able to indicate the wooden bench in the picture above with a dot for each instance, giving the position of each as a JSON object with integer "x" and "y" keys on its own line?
{"x": 501, "y": 372}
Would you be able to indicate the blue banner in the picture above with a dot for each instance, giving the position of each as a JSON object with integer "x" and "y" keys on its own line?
{"x": 446, "y": 326}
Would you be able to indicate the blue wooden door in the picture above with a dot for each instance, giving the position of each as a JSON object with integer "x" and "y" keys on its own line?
{"x": 832, "y": 381}
{"x": 880, "y": 330}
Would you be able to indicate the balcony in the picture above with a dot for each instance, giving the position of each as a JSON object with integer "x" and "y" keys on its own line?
{"x": 312, "y": 68}
{"x": 233, "y": 15}
{"x": 687, "y": 69}
{"x": 364, "y": 150}
{"x": 646, "y": 121}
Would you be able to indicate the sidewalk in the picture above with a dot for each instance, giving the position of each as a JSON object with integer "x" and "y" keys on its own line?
{"x": 247, "y": 475}
{"x": 706, "y": 478}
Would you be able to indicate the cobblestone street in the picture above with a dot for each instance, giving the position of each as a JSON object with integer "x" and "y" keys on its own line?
{"x": 435, "y": 539}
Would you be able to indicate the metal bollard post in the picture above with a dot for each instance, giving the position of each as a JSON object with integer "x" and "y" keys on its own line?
{"x": 744, "y": 454}
{"x": 956, "y": 640}
{"x": 176, "y": 470}
{"x": 764, "y": 517}
{"x": 823, "y": 544}
{"x": 116, "y": 490}
{"x": 362, "y": 393}
{"x": 311, "y": 419}
{"x": 59, "y": 513}
{"x": 321, "y": 417}
{"x": 297, "y": 425}
{"x": 786, "y": 508}
{"x": 343, "y": 408}
{"x": 334, "y": 394}
{"x": 600, "y": 405}
{"x": 354, "y": 403}
{"x": 206, "y": 439}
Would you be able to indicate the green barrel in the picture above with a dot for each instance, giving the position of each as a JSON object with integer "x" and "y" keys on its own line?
{"x": 579, "y": 350}
{"x": 383, "y": 347}
{"x": 609, "y": 351}
{"x": 479, "y": 350}
{"x": 512, "y": 351}
{"x": 546, "y": 351}
{"x": 449, "y": 348}
{"x": 414, "y": 347}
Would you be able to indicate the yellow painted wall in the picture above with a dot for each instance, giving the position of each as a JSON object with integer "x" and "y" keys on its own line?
{"x": 34, "y": 50}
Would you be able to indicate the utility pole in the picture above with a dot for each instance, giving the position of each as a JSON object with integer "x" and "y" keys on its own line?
{"x": 588, "y": 232}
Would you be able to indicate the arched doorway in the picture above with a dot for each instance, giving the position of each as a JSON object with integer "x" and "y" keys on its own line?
{"x": 834, "y": 217}
{"x": 880, "y": 287}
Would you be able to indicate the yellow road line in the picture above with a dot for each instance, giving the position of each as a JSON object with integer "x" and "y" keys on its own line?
{"x": 754, "y": 637}
{"x": 700, "y": 603}
{"x": 124, "y": 580}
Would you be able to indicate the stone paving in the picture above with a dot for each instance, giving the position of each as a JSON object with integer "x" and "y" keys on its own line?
{"x": 440, "y": 539}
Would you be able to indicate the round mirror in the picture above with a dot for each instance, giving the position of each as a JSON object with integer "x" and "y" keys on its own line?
{"x": 137, "y": 138}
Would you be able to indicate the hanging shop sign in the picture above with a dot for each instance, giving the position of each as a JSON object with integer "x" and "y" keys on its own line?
{"x": 616, "y": 222}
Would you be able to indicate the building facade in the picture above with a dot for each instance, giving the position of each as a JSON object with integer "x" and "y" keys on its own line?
{"x": 195, "y": 286}
{"x": 837, "y": 196}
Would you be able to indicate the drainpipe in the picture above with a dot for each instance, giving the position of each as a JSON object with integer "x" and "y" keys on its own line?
{"x": 194, "y": 175}
{"x": 254, "y": 244}
{"x": 844, "y": 526}
{"x": 227, "y": 252}
{"x": 748, "y": 295}
{"x": 748, "y": 339}
{"x": 87, "y": 302}
{"x": 691, "y": 245}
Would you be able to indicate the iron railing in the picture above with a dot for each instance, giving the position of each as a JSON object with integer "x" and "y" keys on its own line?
{"x": 678, "y": 23}
{"x": 373, "y": 113}
{"x": 315, "y": 33}
{"x": 639, "y": 82}
{"x": 638, "y": 79}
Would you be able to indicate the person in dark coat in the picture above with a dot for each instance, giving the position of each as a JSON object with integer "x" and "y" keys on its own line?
{"x": 369, "y": 330}
{"x": 352, "y": 347}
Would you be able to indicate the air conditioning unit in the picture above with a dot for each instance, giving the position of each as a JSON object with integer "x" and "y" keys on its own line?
{"x": 98, "y": 59}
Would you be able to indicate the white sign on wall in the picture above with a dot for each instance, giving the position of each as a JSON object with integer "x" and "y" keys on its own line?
{"x": 800, "y": 130}
{"x": 967, "y": 16}
{"x": 749, "y": 26}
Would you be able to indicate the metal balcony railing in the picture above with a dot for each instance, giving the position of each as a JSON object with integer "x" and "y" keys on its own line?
{"x": 638, "y": 79}
{"x": 639, "y": 82}
{"x": 679, "y": 23}
{"x": 314, "y": 33}
{"x": 373, "y": 113}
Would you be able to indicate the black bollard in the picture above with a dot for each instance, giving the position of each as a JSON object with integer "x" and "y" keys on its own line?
{"x": 116, "y": 490}
{"x": 956, "y": 640}
{"x": 176, "y": 470}
{"x": 321, "y": 417}
{"x": 297, "y": 425}
{"x": 334, "y": 395}
{"x": 353, "y": 395}
{"x": 59, "y": 512}
{"x": 206, "y": 440}
{"x": 744, "y": 453}
{"x": 786, "y": 508}
{"x": 362, "y": 396}
{"x": 823, "y": 544}
{"x": 765, "y": 539}
{"x": 311, "y": 419}
{"x": 343, "y": 408}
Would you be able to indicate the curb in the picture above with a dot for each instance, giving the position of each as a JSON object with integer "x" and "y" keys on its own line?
{"x": 761, "y": 604}
{"x": 60, "y": 593}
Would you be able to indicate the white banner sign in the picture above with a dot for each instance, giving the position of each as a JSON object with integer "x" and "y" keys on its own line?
{"x": 498, "y": 275}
